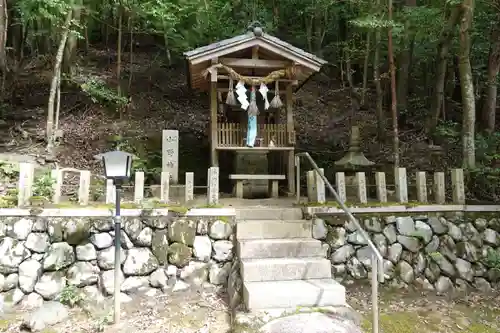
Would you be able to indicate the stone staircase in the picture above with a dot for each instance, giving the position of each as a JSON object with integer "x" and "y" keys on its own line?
{"x": 282, "y": 266}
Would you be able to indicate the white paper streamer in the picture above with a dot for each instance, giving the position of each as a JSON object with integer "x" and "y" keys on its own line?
{"x": 241, "y": 91}
{"x": 263, "y": 91}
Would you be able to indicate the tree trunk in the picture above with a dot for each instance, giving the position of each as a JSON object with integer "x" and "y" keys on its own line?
{"x": 55, "y": 83}
{"x": 365, "y": 67}
{"x": 404, "y": 63}
{"x": 394, "y": 105}
{"x": 131, "y": 55}
{"x": 490, "y": 103}
{"x": 72, "y": 43}
{"x": 167, "y": 45}
{"x": 378, "y": 87}
{"x": 4, "y": 22}
{"x": 467, "y": 87}
{"x": 443, "y": 50}
{"x": 119, "y": 52}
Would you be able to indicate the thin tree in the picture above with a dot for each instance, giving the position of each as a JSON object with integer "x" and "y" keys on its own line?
{"x": 467, "y": 86}
{"x": 55, "y": 84}
{"x": 490, "y": 103}
{"x": 394, "y": 106}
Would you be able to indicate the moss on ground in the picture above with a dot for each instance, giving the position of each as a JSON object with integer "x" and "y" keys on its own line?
{"x": 4, "y": 325}
{"x": 466, "y": 320}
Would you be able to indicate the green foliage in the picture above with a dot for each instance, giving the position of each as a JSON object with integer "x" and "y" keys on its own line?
{"x": 482, "y": 182}
{"x": 97, "y": 189}
{"x": 51, "y": 10}
{"x": 43, "y": 186}
{"x": 147, "y": 151}
{"x": 99, "y": 92}
{"x": 492, "y": 259}
{"x": 71, "y": 296}
{"x": 9, "y": 170}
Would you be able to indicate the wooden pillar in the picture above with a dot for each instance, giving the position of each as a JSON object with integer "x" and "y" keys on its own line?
{"x": 290, "y": 127}
{"x": 213, "y": 116}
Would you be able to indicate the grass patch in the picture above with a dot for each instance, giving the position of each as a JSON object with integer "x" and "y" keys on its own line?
{"x": 399, "y": 322}
{"x": 4, "y": 325}
{"x": 470, "y": 320}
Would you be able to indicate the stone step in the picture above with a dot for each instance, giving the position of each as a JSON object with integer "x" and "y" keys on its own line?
{"x": 269, "y": 229}
{"x": 263, "y": 213}
{"x": 295, "y": 293}
{"x": 256, "y": 270}
{"x": 280, "y": 248}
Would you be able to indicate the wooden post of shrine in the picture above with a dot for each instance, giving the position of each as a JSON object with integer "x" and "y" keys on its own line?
{"x": 290, "y": 159}
{"x": 214, "y": 161}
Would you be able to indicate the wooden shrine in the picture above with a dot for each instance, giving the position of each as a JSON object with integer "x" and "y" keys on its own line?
{"x": 251, "y": 78}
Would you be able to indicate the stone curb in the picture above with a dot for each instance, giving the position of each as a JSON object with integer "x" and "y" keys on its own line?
{"x": 404, "y": 209}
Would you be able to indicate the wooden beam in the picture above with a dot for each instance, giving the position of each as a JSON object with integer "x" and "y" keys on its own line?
{"x": 254, "y": 63}
{"x": 256, "y": 148}
{"x": 226, "y": 77}
{"x": 255, "y": 52}
{"x": 213, "y": 118}
{"x": 225, "y": 90}
{"x": 213, "y": 71}
{"x": 290, "y": 127}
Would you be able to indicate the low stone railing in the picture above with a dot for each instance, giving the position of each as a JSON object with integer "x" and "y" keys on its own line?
{"x": 42, "y": 253}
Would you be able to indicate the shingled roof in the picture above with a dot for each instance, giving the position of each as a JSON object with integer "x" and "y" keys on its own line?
{"x": 200, "y": 58}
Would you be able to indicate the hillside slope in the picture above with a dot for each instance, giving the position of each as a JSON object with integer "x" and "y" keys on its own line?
{"x": 161, "y": 99}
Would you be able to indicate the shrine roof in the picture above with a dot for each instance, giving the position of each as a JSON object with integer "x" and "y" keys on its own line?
{"x": 248, "y": 40}
{"x": 271, "y": 48}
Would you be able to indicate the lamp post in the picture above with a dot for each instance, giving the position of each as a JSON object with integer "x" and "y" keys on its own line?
{"x": 118, "y": 168}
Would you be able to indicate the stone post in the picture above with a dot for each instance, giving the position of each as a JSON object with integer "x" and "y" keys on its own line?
{"x": 189, "y": 192}
{"x": 25, "y": 185}
{"x": 340, "y": 184}
{"x": 84, "y": 188}
{"x": 213, "y": 186}
{"x": 57, "y": 177}
{"x": 421, "y": 183}
{"x": 165, "y": 187}
{"x": 139, "y": 187}
{"x": 439, "y": 190}
{"x": 381, "y": 185}
{"x": 458, "y": 186}
{"x": 361, "y": 185}
{"x": 311, "y": 186}
{"x": 401, "y": 185}
{"x": 170, "y": 154}
{"x": 320, "y": 187}
{"x": 110, "y": 192}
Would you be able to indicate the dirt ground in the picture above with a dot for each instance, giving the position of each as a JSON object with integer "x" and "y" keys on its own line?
{"x": 205, "y": 311}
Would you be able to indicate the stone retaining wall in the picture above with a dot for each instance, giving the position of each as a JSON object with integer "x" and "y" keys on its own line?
{"x": 41, "y": 256}
{"x": 435, "y": 252}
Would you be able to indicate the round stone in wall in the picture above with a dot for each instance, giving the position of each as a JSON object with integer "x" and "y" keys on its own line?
{"x": 140, "y": 261}
{"x": 319, "y": 229}
{"x": 202, "y": 248}
{"x": 37, "y": 242}
{"x": 220, "y": 229}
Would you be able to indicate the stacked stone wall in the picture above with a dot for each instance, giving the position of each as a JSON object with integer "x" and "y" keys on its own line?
{"x": 435, "y": 252}
{"x": 41, "y": 256}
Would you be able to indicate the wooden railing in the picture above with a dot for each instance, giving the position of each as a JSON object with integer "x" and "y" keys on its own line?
{"x": 234, "y": 135}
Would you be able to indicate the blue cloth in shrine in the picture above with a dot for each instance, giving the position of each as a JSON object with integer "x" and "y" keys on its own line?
{"x": 251, "y": 131}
